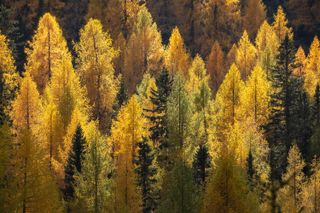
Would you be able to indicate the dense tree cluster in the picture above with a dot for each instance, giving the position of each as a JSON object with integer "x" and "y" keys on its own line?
{"x": 116, "y": 121}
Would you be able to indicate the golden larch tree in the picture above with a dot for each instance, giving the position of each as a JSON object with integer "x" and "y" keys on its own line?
{"x": 280, "y": 25}
{"x": 312, "y": 67}
{"x": 267, "y": 44}
{"x": 228, "y": 99}
{"x": 176, "y": 55}
{"x": 246, "y": 55}
{"x": 46, "y": 51}
{"x": 127, "y": 131}
{"x": 95, "y": 66}
{"x": 255, "y": 97}
{"x": 36, "y": 186}
{"x": 290, "y": 196}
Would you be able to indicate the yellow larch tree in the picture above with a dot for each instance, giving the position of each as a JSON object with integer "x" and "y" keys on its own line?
{"x": 46, "y": 50}
{"x": 301, "y": 60}
{"x": 267, "y": 44}
{"x": 280, "y": 25}
{"x": 129, "y": 128}
{"x": 255, "y": 97}
{"x": 144, "y": 51}
{"x": 176, "y": 56}
{"x": 231, "y": 56}
{"x": 36, "y": 187}
{"x": 290, "y": 196}
{"x": 227, "y": 100}
{"x": 95, "y": 66}
{"x": 246, "y": 55}
{"x": 197, "y": 74}
{"x": 145, "y": 91}
{"x": 62, "y": 97}
{"x": 311, "y": 189}
{"x": 312, "y": 67}
{"x": 216, "y": 66}
{"x": 9, "y": 78}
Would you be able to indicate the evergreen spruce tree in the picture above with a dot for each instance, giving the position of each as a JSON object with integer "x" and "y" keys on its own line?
{"x": 250, "y": 168}
{"x": 281, "y": 129}
{"x": 10, "y": 28}
{"x": 121, "y": 99}
{"x": 159, "y": 98}
{"x": 315, "y": 111}
{"x": 147, "y": 176}
{"x": 201, "y": 165}
{"x": 74, "y": 162}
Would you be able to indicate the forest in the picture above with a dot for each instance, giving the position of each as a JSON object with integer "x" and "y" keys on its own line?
{"x": 181, "y": 106}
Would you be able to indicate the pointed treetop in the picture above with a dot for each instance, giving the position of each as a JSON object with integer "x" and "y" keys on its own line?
{"x": 280, "y": 25}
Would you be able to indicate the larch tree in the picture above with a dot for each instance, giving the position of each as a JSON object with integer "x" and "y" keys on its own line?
{"x": 95, "y": 65}
{"x": 312, "y": 67}
{"x": 228, "y": 189}
{"x": 231, "y": 55}
{"x": 216, "y": 66}
{"x": 301, "y": 60}
{"x": 256, "y": 9}
{"x": 311, "y": 189}
{"x": 36, "y": 186}
{"x": 127, "y": 131}
{"x": 246, "y": 56}
{"x": 267, "y": 44}
{"x": 9, "y": 79}
{"x": 227, "y": 100}
{"x": 144, "y": 52}
{"x": 290, "y": 196}
{"x": 197, "y": 74}
{"x": 92, "y": 186}
{"x": 176, "y": 56}
{"x": 255, "y": 97}
{"x": 280, "y": 25}
{"x": 47, "y": 50}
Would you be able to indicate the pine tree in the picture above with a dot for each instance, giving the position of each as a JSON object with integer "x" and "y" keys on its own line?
{"x": 9, "y": 79}
{"x": 92, "y": 186}
{"x": 280, "y": 128}
{"x": 315, "y": 115}
{"x": 158, "y": 117}
{"x": 95, "y": 65}
{"x": 290, "y": 195}
{"x": 9, "y": 27}
{"x": 301, "y": 60}
{"x": 176, "y": 56}
{"x": 246, "y": 55}
{"x": 146, "y": 171}
{"x": 74, "y": 163}
{"x": 201, "y": 165}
